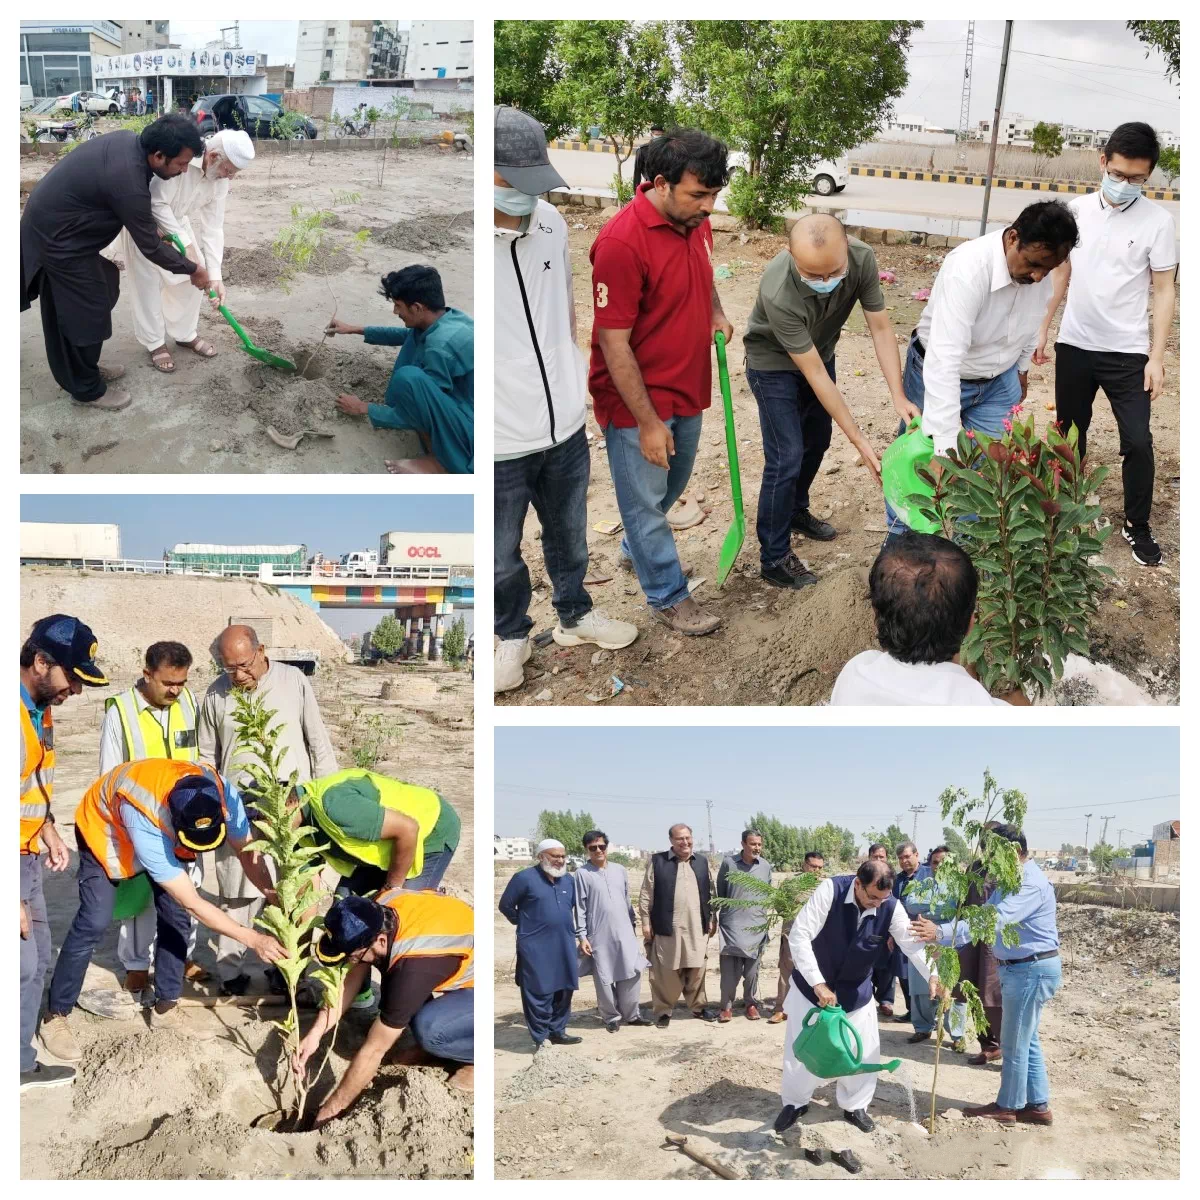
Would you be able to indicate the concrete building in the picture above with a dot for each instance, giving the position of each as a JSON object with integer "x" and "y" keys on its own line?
{"x": 177, "y": 75}
{"x": 57, "y": 56}
{"x": 441, "y": 50}
{"x": 628, "y": 851}
{"x": 512, "y": 849}
{"x": 347, "y": 51}
{"x": 144, "y": 35}
{"x": 280, "y": 78}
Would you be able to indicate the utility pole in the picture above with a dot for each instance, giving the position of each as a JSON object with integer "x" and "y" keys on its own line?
{"x": 712, "y": 849}
{"x": 1086, "y": 849}
{"x": 964, "y": 111}
{"x": 991, "y": 167}
{"x": 916, "y": 810}
{"x": 1104, "y": 831}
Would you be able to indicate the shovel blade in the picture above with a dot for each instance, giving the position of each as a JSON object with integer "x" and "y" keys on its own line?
{"x": 731, "y": 547}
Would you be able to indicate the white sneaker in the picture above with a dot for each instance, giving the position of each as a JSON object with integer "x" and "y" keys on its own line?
{"x": 511, "y": 657}
{"x": 598, "y": 629}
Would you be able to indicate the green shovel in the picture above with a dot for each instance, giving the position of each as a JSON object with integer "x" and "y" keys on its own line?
{"x": 264, "y": 356}
{"x": 732, "y": 545}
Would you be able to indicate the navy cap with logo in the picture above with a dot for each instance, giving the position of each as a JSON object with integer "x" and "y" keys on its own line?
{"x": 71, "y": 644}
{"x": 521, "y": 153}
{"x": 353, "y": 923}
{"x": 196, "y": 813}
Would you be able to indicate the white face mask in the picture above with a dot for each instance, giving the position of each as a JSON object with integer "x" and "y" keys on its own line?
{"x": 513, "y": 202}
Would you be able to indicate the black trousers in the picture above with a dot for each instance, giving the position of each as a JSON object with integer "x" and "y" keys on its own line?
{"x": 1077, "y": 376}
{"x": 76, "y": 369}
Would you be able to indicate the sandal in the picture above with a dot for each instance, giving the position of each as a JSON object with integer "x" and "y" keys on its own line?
{"x": 199, "y": 346}
{"x": 162, "y": 361}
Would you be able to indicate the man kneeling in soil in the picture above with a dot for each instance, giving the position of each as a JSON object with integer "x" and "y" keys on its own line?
{"x": 923, "y": 590}
{"x": 424, "y": 946}
{"x": 432, "y": 389}
{"x": 151, "y": 816}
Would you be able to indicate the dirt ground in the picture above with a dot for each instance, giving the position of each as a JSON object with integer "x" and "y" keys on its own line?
{"x": 778, "y": 647}
{"x": 602, "y": 1109}
{"x": 177, "y": 1104}
{"x": 212, "y": 415}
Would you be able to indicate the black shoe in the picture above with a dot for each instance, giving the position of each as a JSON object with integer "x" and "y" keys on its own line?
{"x": 663, "y": 1021}
{"x": 789, "y": 1114}
{"x": 919, "y": 1037}
{"x": 276, "y": 984}
{"x": 790, "y": 573}
{"x": 859, "y": 1119}
{"x": 612, "y": 1026}
{"x": 564, "y": 1039}
{"x": 813, "y": 527}
{"x": 639, "y": 1021}
{"x": 237, "y": 986}
{"x": 1145, "y": 548}
{"x": 706, "y": 1014}
{"x": 46, "y": 1075}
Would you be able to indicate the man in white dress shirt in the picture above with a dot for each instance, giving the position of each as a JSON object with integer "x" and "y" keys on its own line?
{"x": 835, "y": 943}
{"x": 1125, "y": 241}
{"x": 968, "y": 359}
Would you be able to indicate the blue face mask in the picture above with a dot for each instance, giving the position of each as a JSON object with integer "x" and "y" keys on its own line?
{"x": 1119, "y": 193}
{"x": 515, "y": 203}
{"x": 823, "y": 286}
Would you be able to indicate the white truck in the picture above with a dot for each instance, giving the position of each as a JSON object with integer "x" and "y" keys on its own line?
{"x": 68, "y": 543}
{"x": 359, "y": 562}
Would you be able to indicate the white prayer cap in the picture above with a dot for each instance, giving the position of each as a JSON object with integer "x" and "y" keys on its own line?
{"x": 549, "y": 844}
{"x": 235, "y": 144}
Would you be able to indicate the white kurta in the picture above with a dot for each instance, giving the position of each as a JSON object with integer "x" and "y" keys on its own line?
{"x": 853, "y": 1091}
{"x": 191, "y": 206}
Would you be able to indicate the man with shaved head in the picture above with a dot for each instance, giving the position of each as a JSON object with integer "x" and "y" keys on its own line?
{"x": 805, "y": 298}
{"x": 306, "y": 749}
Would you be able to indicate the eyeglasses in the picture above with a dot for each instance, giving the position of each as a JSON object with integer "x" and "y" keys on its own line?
{"x": 597, "y": 846}
{"x": 1121, "y": 177}
{"x": 832, "y": 279}
{"x": 242, "y": 668}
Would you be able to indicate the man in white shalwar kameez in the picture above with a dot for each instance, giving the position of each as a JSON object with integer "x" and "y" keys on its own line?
{"x": 191, "y": 206}
{"x": 835, "y": 944}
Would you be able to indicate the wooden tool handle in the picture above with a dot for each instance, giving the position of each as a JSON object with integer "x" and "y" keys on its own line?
{"x": 681, "y": 1143}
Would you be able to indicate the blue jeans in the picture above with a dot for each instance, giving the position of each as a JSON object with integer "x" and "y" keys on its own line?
{"x": 35, "y": 955}
{"x": 367, "y": 878}
{"x": 96, "y": 896}
{"x": 645, "y": 494}
{"x": 1024, "y": 989}
{"x": 555, "y": 482}
{"x": 984, "y": 405}
{"x": 796, "y": 431}
{"x": 445, "y": 1026}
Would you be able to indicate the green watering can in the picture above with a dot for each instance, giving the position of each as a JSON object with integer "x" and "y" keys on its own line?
{"x": 829, "y": 1046}
{"x": 133, "y": 896}
{"x": 912, "y": 449}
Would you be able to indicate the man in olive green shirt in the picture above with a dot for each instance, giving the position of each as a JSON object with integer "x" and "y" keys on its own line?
{"x": 805, "y": 298}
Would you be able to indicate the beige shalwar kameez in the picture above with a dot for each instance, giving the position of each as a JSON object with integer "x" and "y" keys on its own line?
{"x": 676, "y": 962}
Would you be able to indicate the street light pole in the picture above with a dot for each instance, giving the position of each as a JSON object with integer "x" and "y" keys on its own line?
{"x": 1087, "y": 853}
{"x": 991, "y": 167}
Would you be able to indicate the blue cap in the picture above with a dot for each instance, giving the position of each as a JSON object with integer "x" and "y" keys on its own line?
{"x": 353, "y": 923}
{"x": 71, "y": 644}
{"x": 197, "y": 813}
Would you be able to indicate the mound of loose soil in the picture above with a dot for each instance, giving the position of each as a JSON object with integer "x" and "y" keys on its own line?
{"x": 261, "y": 267}
{"x": 434, "y": 233}
{"x": 549, "y": 1068}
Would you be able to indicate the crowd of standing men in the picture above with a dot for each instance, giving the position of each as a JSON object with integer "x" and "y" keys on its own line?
{"x": 856, "y": 935}
{"x": 173, "y": 785}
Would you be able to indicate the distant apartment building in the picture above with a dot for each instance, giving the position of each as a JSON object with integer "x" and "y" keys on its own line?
{"x": 441, "y": 50}
{"x": 347, "y": 51}
{"x": 137, "y": 36}
{"x": 628, "y": 851}
{"x": 512, "y": 849}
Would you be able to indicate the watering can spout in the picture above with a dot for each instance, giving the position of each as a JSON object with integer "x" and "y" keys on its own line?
{"x": 873, "y": 1067}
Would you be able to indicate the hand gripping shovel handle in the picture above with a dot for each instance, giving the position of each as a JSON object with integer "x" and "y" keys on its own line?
{"x": 174, "y": 240}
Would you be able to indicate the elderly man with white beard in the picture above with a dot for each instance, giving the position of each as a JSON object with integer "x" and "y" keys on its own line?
{"x": 540, "y": 902}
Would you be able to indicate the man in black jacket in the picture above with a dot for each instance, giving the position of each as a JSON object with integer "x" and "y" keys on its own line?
{"x": 73, "y": 214}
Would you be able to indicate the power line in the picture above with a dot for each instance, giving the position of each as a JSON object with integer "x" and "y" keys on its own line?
{"x": 1087, "y": 62}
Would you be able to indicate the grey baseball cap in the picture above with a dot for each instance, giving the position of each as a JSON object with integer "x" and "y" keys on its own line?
{"x": 521, "y": 153}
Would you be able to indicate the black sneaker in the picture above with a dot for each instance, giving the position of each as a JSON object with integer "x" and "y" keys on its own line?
{"x": 790, "y": 573}
{"x": 812, "y": 527}
{"x": 612, "y": 1026}
{"x": 237, "y": 986}
{"x": 663, "y": 1021}
{"x": 45, "y": 1075}
{"x": 1145, "y": 548}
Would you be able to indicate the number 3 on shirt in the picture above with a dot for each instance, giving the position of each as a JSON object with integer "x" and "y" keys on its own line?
{"x": 602, "y": 295}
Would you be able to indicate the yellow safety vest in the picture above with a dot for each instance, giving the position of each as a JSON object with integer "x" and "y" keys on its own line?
{"x": 144, "y": 734}
{"x": 423, "y": 805}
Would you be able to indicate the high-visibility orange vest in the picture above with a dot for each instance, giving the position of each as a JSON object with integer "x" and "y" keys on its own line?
{"x": 37, "y": 777}
{"x": 146, "y": 785}
{"x": 431, "y": 925}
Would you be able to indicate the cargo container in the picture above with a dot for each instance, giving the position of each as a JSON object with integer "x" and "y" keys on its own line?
{"x": 401, "y": 549}
{"x": 210, "y": 557}
{"x": 66, "y": 543}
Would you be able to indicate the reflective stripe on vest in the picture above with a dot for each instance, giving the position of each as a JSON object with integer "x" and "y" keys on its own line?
{"x": 422, "y": 804}
{"x": 37, "y": 777}
{"x": 145, "y": 784}
{"x": 144, "y": 734}
{"x": 430, "y": 925}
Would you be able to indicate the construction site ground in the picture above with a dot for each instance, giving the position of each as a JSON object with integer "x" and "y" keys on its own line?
{"x": 212, "y": 415}
{"x": 782, "y": 647}
{"x": 178, "y": 1103}
{"x": 603, "y": 1108}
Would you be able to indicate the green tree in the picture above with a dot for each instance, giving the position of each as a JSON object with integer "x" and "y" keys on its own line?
{"x": 1047, "y": 139}
{"x": 566, "y": 827}
{"x": 891, "y": 837}
{"x": 1168, "y": 164}
{"x": 838, "y": 845}
{"x": 783, "y": 845}
{"x": 1102, "y": 857}
{"x": 787, "y": 94}
{"x": 1162, "y": 36}
{"x": 528, "y": 71}
{"x": 388, "y": 636}
{"x": 955, "y": 843}
{"x": 617, "y": 74}
{"x": 454, "y": 643}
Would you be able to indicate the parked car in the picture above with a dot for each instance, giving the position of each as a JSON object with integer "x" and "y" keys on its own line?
{"x": 255, "y": 114}
{"x": 828, "y": 175}
{"x": 92, "y": 102}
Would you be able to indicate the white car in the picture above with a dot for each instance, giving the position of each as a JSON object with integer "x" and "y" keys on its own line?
{"x": 92, "y": 102}
{"x": 828, "y": 175}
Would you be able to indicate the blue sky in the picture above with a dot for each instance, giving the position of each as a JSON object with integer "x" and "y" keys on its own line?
{"x": 636, "y": 782}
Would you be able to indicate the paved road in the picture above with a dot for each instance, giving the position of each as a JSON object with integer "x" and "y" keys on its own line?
{"x": 866, "y": 201}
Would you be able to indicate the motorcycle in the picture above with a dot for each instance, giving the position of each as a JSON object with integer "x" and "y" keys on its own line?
{"x": 75, "y": 130}
{"x": 353, "y": 126}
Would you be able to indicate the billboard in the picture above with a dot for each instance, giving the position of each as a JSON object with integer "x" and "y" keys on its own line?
{"x": 178, "y": 62}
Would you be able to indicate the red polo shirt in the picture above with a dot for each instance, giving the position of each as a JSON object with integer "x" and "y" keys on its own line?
{"x": 650, "y": 277}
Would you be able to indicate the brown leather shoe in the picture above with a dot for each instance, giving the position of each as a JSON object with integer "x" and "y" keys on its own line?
{"x": 108, "y": 374}
{"x": 983, "y": 1058}
{"x": 777, "y": 1017}
{"x": 193, "y": 972}
{"x": 114, "y": 400}
{"x": 726, "y": 1014}
{"x": 1033, "y": 1116}
{"x": 1004, "y": 1116}
{"x": 885, "y": 1010}
{"x": 752, "y": 1013}
{"x": 136, "y": 981}
{"x": 688, "y": 618}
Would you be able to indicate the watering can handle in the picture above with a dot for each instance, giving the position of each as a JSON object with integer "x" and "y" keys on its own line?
{"x": 856, "y": 1053}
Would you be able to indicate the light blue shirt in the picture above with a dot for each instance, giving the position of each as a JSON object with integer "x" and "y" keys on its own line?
{"x": 36, "y": 714}
{"x": 155, "y": 850}
{"x": 1032, "y": 910}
